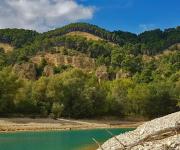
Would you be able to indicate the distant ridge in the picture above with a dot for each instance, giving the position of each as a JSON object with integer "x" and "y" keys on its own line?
{"x": 149, "y": 42}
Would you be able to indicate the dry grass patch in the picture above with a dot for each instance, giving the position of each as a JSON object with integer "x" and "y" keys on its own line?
{"x": 86, "y": 35}
{"x": 7, "y": 48}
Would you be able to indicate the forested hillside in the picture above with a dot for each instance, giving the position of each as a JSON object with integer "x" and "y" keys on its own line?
{"x": 61, "y": 74}
{"x": 17, "y": 37}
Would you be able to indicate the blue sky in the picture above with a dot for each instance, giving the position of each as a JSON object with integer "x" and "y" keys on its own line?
{"x": 127, "y": 15}
{"x": 135, "y": 15}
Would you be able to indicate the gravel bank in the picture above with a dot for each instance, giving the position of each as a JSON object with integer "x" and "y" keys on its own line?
{"x": 145, "y": 130}
{"x": 45, "y": 124}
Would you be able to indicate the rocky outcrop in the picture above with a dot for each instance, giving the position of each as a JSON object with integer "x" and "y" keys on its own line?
{"x": 81, "y": 62}
{"x": 48, "y": 71}
{"x": 159, "y": 134}
{"x": 25, "y": 70}
{"x": 37, "y": 59}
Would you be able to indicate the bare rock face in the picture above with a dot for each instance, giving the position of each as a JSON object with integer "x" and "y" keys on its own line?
{"x": 37, "y": 59}
{"x": 81, "y": 62}
{"x": 102, "y": 73}
{"x": 25, "y": 70}
{"x": 159, "y": 134}
{"x": 48, "y": 71}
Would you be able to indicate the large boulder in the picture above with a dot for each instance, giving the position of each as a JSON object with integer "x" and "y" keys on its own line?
{"x": 159, "y": 134}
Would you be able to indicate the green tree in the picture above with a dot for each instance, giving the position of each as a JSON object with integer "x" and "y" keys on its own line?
{"x": 162, "y": 101}
{"x": 57, "y": 110}
{"x": 9, "y": 86}
{"x": 117, "y": 56}
{"x": 138, "y": 97}
{"x": 39, "y": 95}
{"x": 117, "y": 96}
{"x": 132, "y": 64}
{"x": 24, "y": 103}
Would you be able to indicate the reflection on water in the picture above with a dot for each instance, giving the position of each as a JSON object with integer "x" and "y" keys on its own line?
{"x": 56, "y": 140}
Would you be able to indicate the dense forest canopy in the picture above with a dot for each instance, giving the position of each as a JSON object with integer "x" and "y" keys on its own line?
{"x": 17, "y": 37}
{"x": 140, "y": 73}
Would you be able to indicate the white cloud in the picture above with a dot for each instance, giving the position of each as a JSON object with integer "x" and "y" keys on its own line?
{"x": 41, "y": 15}
{"x": 146, "y": 27}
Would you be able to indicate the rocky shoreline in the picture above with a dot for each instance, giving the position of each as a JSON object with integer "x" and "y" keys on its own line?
{"x": 159, "y": 134}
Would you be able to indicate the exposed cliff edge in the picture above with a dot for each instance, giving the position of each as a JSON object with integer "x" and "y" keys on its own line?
{"x": 159, "y": 134}
{"x": 58, "y": 59}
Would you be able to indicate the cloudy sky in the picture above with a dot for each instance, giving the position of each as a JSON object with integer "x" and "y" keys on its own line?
{"x": 130, "y": 15}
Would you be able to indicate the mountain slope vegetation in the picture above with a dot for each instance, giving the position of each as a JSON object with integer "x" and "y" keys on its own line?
{"x": 59, "y": 73}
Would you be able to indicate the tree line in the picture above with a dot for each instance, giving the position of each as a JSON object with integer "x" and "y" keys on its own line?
{"x": 77, "y": 94}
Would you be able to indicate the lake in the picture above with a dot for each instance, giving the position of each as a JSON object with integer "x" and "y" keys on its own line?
{"x": 56, "y": 140}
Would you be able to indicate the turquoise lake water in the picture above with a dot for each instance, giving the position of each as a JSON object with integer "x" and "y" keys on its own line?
{"x": 56, "y": 140}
